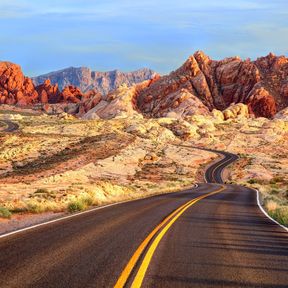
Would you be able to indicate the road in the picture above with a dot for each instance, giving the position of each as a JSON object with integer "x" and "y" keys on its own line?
{"x": 11, "y": 126}
{"x": 214, "y": 235}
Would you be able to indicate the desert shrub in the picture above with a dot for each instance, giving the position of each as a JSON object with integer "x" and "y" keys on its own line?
{"x": 276, "y": 179}
{"x": 87, "y": 200}
{"x": 280, "y": 214}
{"x": 41, "y": 190}
{"x": 5, "y": 213}
{"x": 43, "y": 193}
{"x": 35, "y": 207}
{"x": 274, "y": 191}
{"x": 243, "y": 155}
{"x": 252, "y": 181}
{"x": 271, "y": 205}
{"x": 76, "y": 205}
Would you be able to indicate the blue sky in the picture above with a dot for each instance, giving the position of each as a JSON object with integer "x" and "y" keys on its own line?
{"x": 43, "y": 36}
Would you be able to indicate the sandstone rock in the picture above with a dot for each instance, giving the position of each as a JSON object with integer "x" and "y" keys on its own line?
{"x": 262, "y": 103}
{"x": 91, "y": 99}
{"x": 217, "y": 84}
{"x": 48, "y": 93}
{"x": 66, "y": 116}
{"x": 284, "y": 90}
{"x": 282, "y": 115}
{"x": 119, "y": 103}
{"x": 151, "y": 157}
{"x": 183, "y": 129}
{"x": 15, "y": 88}
{"x": 234, "y": 111}
{"x": 137, "y": 129}
{"x": 71, "y": 94}
{"x": 218, "y": 115}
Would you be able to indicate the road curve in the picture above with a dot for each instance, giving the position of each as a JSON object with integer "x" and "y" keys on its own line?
{"x": 11, "y": 126}
{"x": 211, "y": 236}
{"x": 213, "y": 173}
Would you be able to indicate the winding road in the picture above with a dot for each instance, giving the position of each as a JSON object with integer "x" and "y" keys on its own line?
{"x": 213, "y": 235}
{"x": 11, "y": 126}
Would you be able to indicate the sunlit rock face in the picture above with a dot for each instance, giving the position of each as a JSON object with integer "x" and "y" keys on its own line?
{"x": 15, "y": 88}
{"x": 261, "y": 84}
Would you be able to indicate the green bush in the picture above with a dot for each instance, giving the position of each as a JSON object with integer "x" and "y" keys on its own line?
{"x": 42, "y": 190}
{"x": 280, "y": 215}
{"x": 35, "y": 207}
{"x": 76, "y": 205}
{"x": 274, "y": 191}
{"x": 87, "y": 200}
{"x": 252, "y": 181}
{"x": 276, "y": 180}
{"x": 5, "y": 213}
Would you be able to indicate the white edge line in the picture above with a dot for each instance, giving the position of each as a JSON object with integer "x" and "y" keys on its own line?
{"x": 76, "y": 214}
{"x": 265, "y": 213}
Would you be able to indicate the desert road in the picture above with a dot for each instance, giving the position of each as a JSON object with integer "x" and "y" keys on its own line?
{"x": 11, "y": 126}
{"x": 213, "y": 235}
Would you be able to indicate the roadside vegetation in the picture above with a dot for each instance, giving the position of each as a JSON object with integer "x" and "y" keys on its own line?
{"x": 274, "y": 194}
{"x": 58, "y": 165}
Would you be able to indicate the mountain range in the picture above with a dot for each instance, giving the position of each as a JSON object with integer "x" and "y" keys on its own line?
{"x": 86, "y": 79}
{"x": 198, "y": 86}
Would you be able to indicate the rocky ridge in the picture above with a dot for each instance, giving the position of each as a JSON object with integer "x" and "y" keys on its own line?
{"x": 261, "y": 84}
{"x": 86, "y": 79}
{"x": 200, "y": 86}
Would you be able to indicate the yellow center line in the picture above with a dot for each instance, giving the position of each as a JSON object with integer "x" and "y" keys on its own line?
{"x": 132, "y": 262}
{"x": 219, "y": 164}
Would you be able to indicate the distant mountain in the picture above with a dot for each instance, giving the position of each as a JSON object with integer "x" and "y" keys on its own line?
{"x": 86, "y": 79}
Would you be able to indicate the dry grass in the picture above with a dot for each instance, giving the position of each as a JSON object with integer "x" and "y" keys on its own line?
{"x": 271, "y": 206}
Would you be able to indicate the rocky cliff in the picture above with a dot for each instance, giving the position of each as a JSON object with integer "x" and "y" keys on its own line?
{"x": 85, "y": 79}
{"x": 261, "y": 84}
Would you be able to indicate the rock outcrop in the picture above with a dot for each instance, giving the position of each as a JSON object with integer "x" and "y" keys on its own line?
{"x": 48, "y": 93}
{"x": 15, "y": 88}
{"x": 86, "y": 79}
{"x": 234, "y": 111}
{"x": 120, "y": 103}
{"x": 261, "y": 84}
{"x": 282, "y": 115}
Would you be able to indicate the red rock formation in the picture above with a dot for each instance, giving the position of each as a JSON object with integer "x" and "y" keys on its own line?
{"x": 15, "y": 88}
{"x": 71, "y": 94}
{"x": 262, "y": 84}
{"x": 90, "y": 100}
{"x": 48, "y": 93}
{"x": 262, "y": 104}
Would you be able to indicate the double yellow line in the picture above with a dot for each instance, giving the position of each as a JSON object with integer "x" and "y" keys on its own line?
{"x": 165, "y": 224}
{"x": 216, "y": 167}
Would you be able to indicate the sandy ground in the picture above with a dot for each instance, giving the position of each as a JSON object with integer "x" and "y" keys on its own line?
{"x": 53, "y": 161}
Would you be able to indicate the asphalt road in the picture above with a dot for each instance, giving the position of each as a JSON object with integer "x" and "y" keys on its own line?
{"x": 211, "y": 236}
{"x": 11, "y": 126}
{"x": 214, "y": 172}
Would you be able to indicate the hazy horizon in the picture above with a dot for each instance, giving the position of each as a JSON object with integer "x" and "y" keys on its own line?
{"x": 124, "y": 35}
